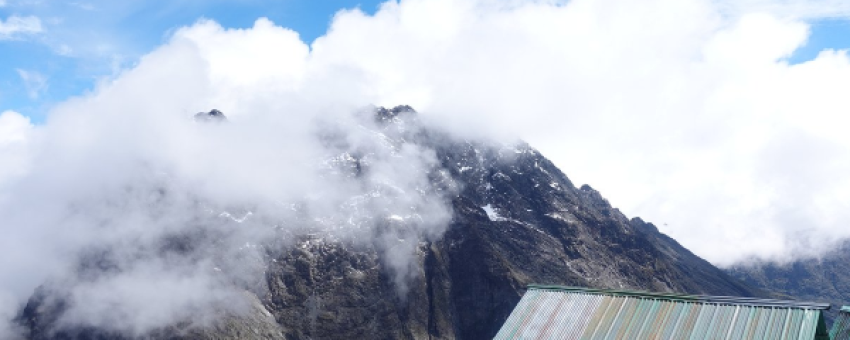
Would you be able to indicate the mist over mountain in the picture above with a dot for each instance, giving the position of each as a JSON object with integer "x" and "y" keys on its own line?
{"x": 824, "y": 279}
{"x": 445, "y": 255}
{"x": 703, "y": 89}
{"x": 305, "y": 212}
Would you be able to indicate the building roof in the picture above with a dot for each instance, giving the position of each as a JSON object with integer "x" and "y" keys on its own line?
{"x": 553, "y": 312}
{"x": 841, "y": 327}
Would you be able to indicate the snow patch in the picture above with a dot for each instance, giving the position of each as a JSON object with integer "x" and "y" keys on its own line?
{"x": 492, "y": 214}
{"x": 234, "y": 218}
{"x": 563, "y": 216}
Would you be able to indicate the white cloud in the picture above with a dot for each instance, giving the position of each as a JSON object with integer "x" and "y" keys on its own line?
{"x": 35, "y": 82}
{"x": 670, "y": 108}
{"x": 679, "y": 111}
{"x": 15, "y": 135}
{"x": 120, "y": 172}
{"x": 800, "y": 9}
{"x": 13, "y": 128}
{"x": 64, "y": 50}
{"x": 84, "y": 6}
{"x": 15, "y": 26}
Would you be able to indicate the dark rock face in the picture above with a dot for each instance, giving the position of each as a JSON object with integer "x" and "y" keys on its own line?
{"x": 826, "y": 279}
{"x": 393, "y": 115}
{"x": 516, "y": 220}
{"x": 212, "y": 116}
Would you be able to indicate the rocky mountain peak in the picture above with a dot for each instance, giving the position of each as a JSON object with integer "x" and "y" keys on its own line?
{"x": 213, "y": 116}
{"x": 516, "y": 219}
{"x": 386, "y": 115}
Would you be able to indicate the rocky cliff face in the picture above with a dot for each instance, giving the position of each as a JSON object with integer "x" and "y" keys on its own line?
{"x": 516, "y": 220}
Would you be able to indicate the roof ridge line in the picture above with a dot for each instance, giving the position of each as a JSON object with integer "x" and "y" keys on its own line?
{"x": 732, "y": 300}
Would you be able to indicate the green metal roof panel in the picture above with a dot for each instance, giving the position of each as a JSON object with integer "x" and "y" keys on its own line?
{"x": 549, "y": 312}
{"x": 841, "y": 327}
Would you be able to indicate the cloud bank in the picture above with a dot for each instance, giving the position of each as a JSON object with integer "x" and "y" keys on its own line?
{"x": 143, "y": 216}
{"x": 683, "y": 112}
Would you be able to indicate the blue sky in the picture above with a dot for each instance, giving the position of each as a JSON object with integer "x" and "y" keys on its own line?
{"x": 825, "y": 34}
{"x": 80, "y": 42}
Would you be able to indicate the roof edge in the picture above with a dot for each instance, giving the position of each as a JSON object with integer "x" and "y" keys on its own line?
{"x": 730, "y": 300}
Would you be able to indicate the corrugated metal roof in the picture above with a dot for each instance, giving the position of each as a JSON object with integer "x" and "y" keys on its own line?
{"x": 550, "y": 312}
{"x": 841, "y": 327}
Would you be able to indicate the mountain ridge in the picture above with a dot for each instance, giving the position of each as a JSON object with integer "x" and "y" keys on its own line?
{"x": 516, "y": 219}
{"x": 822, "y": 279}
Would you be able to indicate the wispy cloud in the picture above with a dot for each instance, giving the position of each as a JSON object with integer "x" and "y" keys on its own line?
{"x": 84, "y": 6}
{"x": 35, "y": 82}
{"x": 799, "y": 9}
{"x": 15, "y": 26}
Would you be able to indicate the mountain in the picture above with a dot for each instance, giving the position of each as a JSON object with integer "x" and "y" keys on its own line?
{"x": 516, "y": 219}
{"x": 825, "y": 279}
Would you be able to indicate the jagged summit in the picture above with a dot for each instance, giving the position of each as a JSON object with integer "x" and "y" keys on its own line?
{"x": 385, "y": 115}
{"x": 213, "y": 116}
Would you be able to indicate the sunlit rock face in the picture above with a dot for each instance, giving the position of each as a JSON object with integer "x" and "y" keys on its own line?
{"x": 447, "y": 258}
